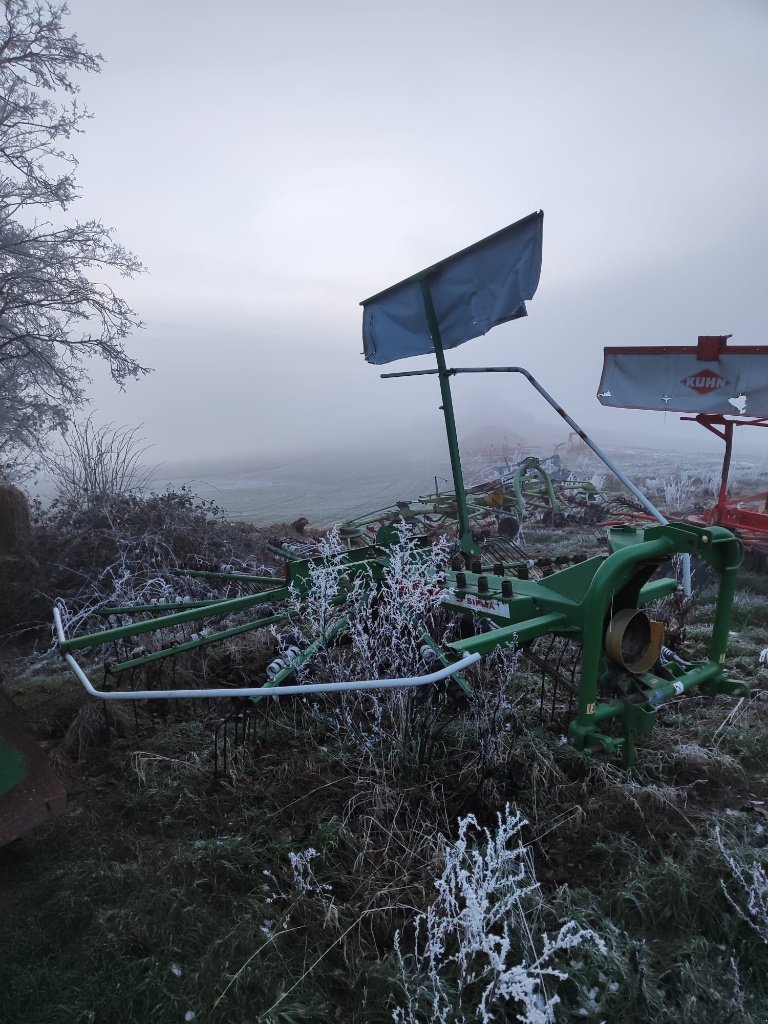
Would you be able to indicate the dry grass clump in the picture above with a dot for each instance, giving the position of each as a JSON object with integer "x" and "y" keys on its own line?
{"x": 322, "y": 875}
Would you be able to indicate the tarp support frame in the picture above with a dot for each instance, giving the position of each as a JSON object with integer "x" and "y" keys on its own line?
{"x": 465, "y": 533}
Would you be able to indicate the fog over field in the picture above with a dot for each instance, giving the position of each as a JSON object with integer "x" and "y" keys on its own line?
{"x": 328, "y": 489}
{"x": 275, "y": 164}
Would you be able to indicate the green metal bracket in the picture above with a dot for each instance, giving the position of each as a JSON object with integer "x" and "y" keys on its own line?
{"x": 532, "y": 465}
{"x": 430, "y": 641}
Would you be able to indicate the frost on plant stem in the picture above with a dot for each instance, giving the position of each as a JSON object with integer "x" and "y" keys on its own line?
{"x": 479, "y": 944}
{"x": 303, "y": 876}
{"x": 127, "y": 551}
{"x": 679, "y": 491}
{"x": 383, "y": 624}
{"x": 384, "y": 631}
{"x": 751, "y": 890}
{"x": 315, "y": 609}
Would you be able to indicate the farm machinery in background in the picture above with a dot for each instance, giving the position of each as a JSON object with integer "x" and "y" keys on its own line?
{"x": 622, "y": 671}
{"x": 537, "y": 492}
{"x": 719, "y": 386}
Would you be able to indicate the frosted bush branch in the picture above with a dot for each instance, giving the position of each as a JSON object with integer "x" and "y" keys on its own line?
{"x": 479, "y": 943}
{"x": 303, "y": 876}
{"x": 317, "y": 609}
{"x": 386, "y": 619}
{"x": 127, "y": 552}
{"x": 383, "y": 624}
{"x": 751, "y": 884}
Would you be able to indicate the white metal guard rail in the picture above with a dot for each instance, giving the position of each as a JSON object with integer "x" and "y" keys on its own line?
{"x": 257, "y": 691}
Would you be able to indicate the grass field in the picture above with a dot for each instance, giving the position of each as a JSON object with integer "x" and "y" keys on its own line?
{"x": 288, "y": 887}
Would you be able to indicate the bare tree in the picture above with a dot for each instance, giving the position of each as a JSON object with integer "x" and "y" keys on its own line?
{"x": 98, "y": 463}
{"x": 54, "y": 312}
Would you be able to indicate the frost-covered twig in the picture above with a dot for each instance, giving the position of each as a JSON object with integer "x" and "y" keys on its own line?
{"x": 479, "y": 943}
{"x": 303, "y": 876}
{"x": 751, "y": 884}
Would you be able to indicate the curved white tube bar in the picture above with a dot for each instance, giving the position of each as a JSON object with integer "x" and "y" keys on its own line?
{"x": 258, "y": 691}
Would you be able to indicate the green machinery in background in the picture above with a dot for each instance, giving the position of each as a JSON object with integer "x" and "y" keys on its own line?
{"x": 624, "y": 671}
{"x": 525, "y": 493}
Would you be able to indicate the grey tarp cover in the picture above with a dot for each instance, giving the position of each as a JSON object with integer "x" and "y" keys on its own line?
{"x": 734, "y": 384}
{"x": 472, "y": 291}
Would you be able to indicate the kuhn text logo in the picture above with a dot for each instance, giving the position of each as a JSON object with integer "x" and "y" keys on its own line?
{"x": 704, "y": 382}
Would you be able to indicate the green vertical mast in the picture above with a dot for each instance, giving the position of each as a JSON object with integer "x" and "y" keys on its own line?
{"x": 466, "y": 542}
{"x": 476, "y": 289}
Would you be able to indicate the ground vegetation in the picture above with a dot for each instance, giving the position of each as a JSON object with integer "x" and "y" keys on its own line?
{"x": 411, "y": 857}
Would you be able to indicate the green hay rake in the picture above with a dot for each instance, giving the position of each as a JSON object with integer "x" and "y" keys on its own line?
{"x": 530, "y": 491}
{"x": 526, "y": 492}
{"x": 624, "y": 673}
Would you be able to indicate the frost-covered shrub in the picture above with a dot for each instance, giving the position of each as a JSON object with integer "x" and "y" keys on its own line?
{"x": 304, "y": 879}
{"x": 126, "y": 550}
{"x": 480, "y": 945}
{"x": 379, "y": 629}
{"x": 382, "y": 623}
{"x": 317, "y": 607}
{"x": 488, "y": 730}
{"x": 680, "y": 492}
{"x": 748, "y": 891}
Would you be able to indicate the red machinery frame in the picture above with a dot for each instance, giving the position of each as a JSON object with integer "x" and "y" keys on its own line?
{"x": 738, "y": 514}
{"x": 649, "y": 378}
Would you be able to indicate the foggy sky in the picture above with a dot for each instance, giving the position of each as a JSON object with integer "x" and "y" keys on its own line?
{"x": 274, "y": 164}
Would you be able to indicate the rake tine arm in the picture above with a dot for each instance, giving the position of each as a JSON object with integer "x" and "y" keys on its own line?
{"x": 283, "y": 691}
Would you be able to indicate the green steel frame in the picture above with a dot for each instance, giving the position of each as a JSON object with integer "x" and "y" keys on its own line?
{"x": 614, "y": 705}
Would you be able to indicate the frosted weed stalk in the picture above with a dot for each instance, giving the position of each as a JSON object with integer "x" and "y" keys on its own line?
{"x": 480, "y": 943}
{"x": 491, "y": 723}
{"x": 318, "y": 610}
{"x": 751, "y": 884}
{"x": 385, "y": 628}
{"x": 303, "y": 876}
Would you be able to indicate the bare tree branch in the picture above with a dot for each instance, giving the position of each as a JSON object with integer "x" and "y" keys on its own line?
{"x": 55, "y": 312}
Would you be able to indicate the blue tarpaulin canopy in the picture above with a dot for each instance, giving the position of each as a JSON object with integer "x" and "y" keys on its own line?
{"x": 713, "y": 380}
{"x": 472, "y": 291}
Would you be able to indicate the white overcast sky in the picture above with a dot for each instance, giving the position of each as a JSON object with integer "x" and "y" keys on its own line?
{"x": 275, "y": 163}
